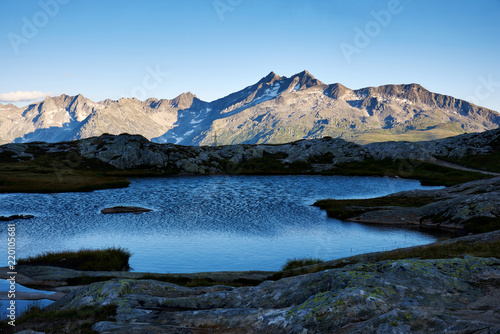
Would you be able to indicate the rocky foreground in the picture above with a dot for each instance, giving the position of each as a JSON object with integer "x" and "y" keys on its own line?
{"x": 369, "y": 293}
{"x": 452, "y": 296}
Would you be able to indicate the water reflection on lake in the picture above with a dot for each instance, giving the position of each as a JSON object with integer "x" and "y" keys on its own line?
{"x": 211, "y": 223}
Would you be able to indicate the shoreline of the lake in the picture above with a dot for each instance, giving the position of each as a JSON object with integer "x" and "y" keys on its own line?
{"x": 419, "y": 272}
{"x": 448, "y": 208}
{"x": 105, "y": 162}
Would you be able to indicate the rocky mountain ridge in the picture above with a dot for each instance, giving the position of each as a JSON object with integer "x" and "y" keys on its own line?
{"x": 315, "y": 155}
{"x": 274, "y": 110}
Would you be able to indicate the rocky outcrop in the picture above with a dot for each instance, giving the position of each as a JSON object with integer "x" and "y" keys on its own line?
{"x": 305, "y": 156}
{"x": 454, "y": 147}
{"x": 472, "y": 206}
{"x": 129, "y": 152}
{"x": 402, "y": 296}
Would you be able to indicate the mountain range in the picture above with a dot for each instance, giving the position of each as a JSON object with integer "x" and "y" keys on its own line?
{"x": 276, "y": 109}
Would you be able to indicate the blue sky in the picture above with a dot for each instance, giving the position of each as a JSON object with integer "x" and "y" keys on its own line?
{"x": 108, "y": 49}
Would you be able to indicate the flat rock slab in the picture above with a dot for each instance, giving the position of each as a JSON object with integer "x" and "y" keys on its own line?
{"x": 22, "y": 295}
{"x": 52, "y": 277}
{"x": 459, "y": 295}
{"x": 125, "y": 209}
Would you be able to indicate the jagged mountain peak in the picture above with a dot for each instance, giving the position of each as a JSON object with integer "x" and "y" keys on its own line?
{"x": 184, "y": 100}
{"x": 78, "y": 100}
{"x": 80, "y": 97}
{"x": 50, "y": 102}
{"x": 188, "y": 95}
{"x": 270, "y": 78}
{"x": 337, "y": 91}
{"x": 306, "y": 80}
{"x": 305, "y": 74}
{"x": 64, "y": 99}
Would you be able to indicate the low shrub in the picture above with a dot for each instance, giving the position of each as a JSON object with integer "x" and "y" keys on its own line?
{"x": 299, "y": 263}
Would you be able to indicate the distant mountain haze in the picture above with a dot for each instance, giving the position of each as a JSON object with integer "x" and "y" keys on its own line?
{"x": 274, "y": 110}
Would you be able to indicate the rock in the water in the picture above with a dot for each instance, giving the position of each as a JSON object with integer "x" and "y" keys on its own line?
{"x": 14, "y": 217}
{"x": 125, "y": 209}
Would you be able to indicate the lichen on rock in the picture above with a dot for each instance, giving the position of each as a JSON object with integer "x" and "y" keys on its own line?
{"x": 410, "y": 295}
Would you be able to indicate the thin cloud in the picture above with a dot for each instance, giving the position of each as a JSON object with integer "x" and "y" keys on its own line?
{"x": 20, "y": 96}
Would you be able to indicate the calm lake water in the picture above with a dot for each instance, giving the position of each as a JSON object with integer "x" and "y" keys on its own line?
{"x": 210, "y": 223}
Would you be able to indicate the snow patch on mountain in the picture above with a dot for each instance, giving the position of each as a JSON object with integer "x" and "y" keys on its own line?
{"x": 269, "y": 94}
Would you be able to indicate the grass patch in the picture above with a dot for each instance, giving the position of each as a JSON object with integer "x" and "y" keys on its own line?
{"x": 432, "y": 251}
{"x": 298, "y": 263}
{"x": 423, "y": 131}
{"x": 440, "y": 251}
{"x": 295, "y": 267}
{"x": 108, "y": 259}
{"x": 427, "y": 173}
{"x": 143, "y": 173}
{"x": 307, "y": 269}
{"x": 57, "y": 172}
{"x": 482, "y": 224}
{"x": 350, "y": 208}
{"x": 78, "y": 321}
{"x": 200, "y": 281}
{"x": 28, "y": 182}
